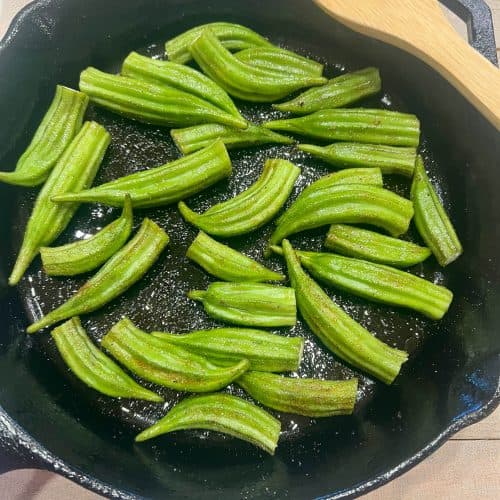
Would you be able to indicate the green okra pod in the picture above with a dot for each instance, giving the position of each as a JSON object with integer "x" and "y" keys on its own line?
{"x": 265, "y": 351}
{"x": 377, "y": 126}
{"x": 252, "y": 208}
{"x": 346, "y": 203}
{"x": 243, "y": 80}
{"x": 93, "y": 367}
{"x": 61, "y": 123}
{"x": 302, "y": 396}
{"x": 226, "y": 263}
{"x": 74, "y": 171}
{"x": 279, "y": 60}
{"x": 431, "y": 219}
{"x": 222, "y": 413}
{"x": 390, "y": 159}
{"x": 167, "y": 364}
{"x": 337, "y": 93}
{"x": 125, "y": 268}
{"x": 232, "y": 36}
{"x": 337, "y": 330}
{"x": 150, "y": 102}
{"x": 249, "y": 304}
{"x": 162, "y": 185}
{"x": 369, "y": 245}
{"x": 85, "y": 255}
{"x": 191, "y": 139}
{"x": 378, "y": 282}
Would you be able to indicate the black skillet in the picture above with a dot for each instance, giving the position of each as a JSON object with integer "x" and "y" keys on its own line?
{"x": 49, "y": 420}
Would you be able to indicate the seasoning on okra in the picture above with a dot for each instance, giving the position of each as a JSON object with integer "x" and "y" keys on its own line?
{"x": 369, "y": 245}
{"x": 337, "y": 93}
{"x": 93, "y": 367}
{"x": 337, "y": 330}
{"x": 61, "y": 123}
{"x": 222, "y": 413}
{"x": 250, "y": 209}
{"x": 162, "y": 185}
{"x": 74, "y": 171}
{"x": 302, "y": 396}
{"x": 119, "y": 273}
{"x": 167, "y": 364}
{"x": 431, "y": 219}
{"x": 85, "y": 255}
{"x": 224, "y": 346}
{"x": 249, "y": 304}
{"x": 377, "y": 126}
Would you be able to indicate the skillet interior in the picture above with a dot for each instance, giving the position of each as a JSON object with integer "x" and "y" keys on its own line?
{"x": 453, "y": 370}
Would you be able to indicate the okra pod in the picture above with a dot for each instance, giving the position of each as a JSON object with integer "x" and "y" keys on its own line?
{"x": 125, "y": 268}
{"x": 244, "y": 80}
{"x": 378, "y": 282}
{"x": 250, "y": 209}
{"x": 222, "y": 413}
{"x": 178, "y": 76}
{"x": 377, "y": 126}
{"x": 74, "y": 171}
{"x": 152, "y": 102}
{"x": 191, "y": 139}
{"x": 279, "y": 60}
{"x": 232, "y": 36}
{"x": 347, "y": 203}
{"x": 61, "y": 123}
{"x": 226, "y": 263}
{"x": 302, "y": 396}
{"x": 93, "y": 367}
{"x": 86, "y": 255}
{"x": 431, "y": 219}
{"x": 337, "y": 330}
{"x": 265, "y": 351}
{"x": 161, "y": 185}
{"x": 249, "y": 304}
{"x": 167, "y": 364}
{"x": 390, "y": 159}
{"x": 376, "y": 247}
{"x": 337, "y": 93}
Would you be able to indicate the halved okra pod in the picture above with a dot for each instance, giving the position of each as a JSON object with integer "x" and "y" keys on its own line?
{"x": 337, "y": 330}
{"x": 347, "y": 203}
{"x": 378, "y": 282}
{"x": 85, "y": 255}
{"x": 338, "y": 92}
{"x": 191, "y": 139}
{"x": 222, "y": 413}
{"x": 431, "y": 219}
{"x": 249, "y": 304}
{"x": 61, "y": 123}
{"x": 178, "y": 76}
{"x": 119, "y": 273}
{"x": 226, "y": 263}
{"x": 369, "y": 245}
{"x": 161, "y": 185}
{"x": 167, "y": 364}
{"x": 93, "y": 367}
{"x": 243, "y": 80}
{"x": 232, "y": 36}
{"x": 302, "y": 396}
{"x": 74, "y": 171}
{"x": 377, "y": 126}
{"x": 279, "y": 60}
{"x": 265, "y": 351}
{"x": 152, "y": 102}
{"x": 250, "y": 209}
{"x": 390, "y": 159}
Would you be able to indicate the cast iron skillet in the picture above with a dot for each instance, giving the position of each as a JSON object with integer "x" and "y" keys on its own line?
{"x": 50, "y": 421}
